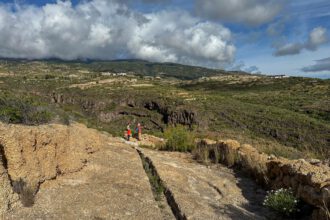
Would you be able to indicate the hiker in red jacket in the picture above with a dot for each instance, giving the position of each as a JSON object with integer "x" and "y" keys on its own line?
{"x": 129, "y": 132}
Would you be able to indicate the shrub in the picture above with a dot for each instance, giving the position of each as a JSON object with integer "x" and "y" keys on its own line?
{"x": 179, "y": 139}
{"x": 282, "y": 201}
{"x": 10, "y": 115}
{"x": 23, "y": 110}
{"x": 38, "y": 116}
{"x": 47, "y": 76}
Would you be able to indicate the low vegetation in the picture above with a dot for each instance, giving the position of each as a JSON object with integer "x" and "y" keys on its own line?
{"x": 282, "y": 201}
{"x": 23, "y": 110}
{"x": 179, "y": 139}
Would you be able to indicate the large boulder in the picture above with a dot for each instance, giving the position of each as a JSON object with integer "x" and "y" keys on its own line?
{"x": 35, "y": 154}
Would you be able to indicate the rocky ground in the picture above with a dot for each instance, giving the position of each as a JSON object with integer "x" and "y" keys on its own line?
{"x": 117, "y": 181}
{"x": 206, "y": 192}
{"x": 113, "y": 185}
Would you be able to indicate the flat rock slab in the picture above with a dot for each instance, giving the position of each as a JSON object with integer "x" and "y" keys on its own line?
{"x": 207, "y": 193}
{"x": 113, "y": 185}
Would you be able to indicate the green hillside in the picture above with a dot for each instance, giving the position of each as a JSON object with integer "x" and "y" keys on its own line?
{"x": 285, "y": 116}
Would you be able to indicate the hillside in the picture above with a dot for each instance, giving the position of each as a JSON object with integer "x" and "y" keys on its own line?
{"x": 285, "y": 116}
{"x": 138, "y": 67}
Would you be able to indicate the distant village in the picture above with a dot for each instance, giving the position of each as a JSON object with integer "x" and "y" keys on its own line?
{"x": 113, "y": 74}
{"x": 278, "y": 76}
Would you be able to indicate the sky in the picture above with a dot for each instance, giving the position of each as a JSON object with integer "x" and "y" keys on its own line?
{"x": 289, "y": 37}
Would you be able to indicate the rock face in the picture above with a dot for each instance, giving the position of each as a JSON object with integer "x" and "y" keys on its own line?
{"x": 173, "y": 116}
{"x": 113, "y": 185}
{"x": 8, "y": 199}
{"x": 36, "y": 154}
{"x": 310, "y": 182}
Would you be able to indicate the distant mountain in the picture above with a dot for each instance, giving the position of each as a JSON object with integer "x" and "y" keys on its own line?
{"x": 146, "y": 68}
{"x": 139, "y": 67}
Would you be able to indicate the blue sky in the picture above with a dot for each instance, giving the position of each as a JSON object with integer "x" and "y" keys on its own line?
{"x": 267, "y": 36}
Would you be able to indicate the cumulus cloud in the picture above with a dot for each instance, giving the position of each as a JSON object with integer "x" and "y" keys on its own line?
{"x": 252, "y": 12}
{"x": 108, "y": 29}
{"x": 317, "y": 37}
{"x": 182, "y": 38}
{"x": 319, "y": 66}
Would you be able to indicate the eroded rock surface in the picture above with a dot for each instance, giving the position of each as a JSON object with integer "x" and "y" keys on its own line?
{"x": 207, "y": 193}
{"x": 113, "y": 185}
{"x": 80, "y": 173}
{"x": 8, "y": 199}
{"x": 35, "y": 154}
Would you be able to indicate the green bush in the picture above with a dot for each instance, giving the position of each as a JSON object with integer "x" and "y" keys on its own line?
{"x": 38, "y": 116}
{"x": 47, "y": 76}
{"x": 23, "y": 110}
{"x": 179, "y": 139}
{"x": 10, "y": 115}
{"x": 282, "y": 201}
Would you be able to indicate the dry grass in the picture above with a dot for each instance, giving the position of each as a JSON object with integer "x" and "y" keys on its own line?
{"x": 216, "y": 153}
{"x": 202, "y": 154}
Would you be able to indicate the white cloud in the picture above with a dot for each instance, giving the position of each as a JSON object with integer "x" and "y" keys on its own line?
{"x": 101, "y": 29}
{"x": 317, "y": 37}
{"x": 183, "y": 39}
{"x": 252, "y": 12}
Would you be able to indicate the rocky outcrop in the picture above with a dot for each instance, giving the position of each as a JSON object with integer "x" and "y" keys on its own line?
{"x": 180, "y": 115}
{"x": 8, "y": 199}
{"x": 35, "y": 154}
{"x": 89, "y": 105}
{"x": 311, "y": 183}
{"x": 112, "y": 186}
{"x": 183, "y": 115}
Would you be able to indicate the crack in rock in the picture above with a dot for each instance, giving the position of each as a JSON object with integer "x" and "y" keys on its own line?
{"x": 158, "y": 184}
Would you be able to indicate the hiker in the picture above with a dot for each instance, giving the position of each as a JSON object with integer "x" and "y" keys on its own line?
{"x": 129, "y": 132}
{"x": 138, "y": 131}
